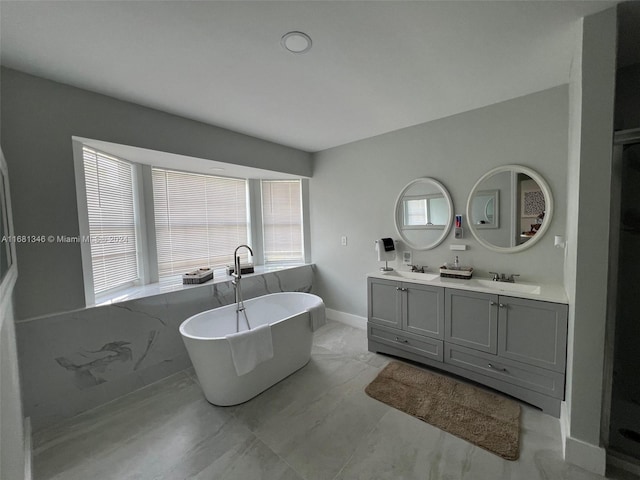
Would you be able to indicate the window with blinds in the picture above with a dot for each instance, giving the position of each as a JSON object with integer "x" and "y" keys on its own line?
{"x": 200, "y": 220}
{"x": 282, "y": 221}
{"x": 112, "y": 220}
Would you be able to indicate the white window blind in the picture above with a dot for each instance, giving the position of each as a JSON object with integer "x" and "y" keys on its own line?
{"x": 112, "y": 223}
{"x": 282, "y": 221}
{"x": 200, "y": 220}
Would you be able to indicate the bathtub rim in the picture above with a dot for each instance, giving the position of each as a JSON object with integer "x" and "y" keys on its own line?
{"x": 318, "y": 301}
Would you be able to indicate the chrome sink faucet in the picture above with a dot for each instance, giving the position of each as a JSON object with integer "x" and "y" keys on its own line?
{"x": 417, "y": 268}
{"x": 501, "y": 277}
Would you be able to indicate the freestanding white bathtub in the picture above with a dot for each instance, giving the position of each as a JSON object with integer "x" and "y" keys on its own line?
{"x": 204, "y": 334}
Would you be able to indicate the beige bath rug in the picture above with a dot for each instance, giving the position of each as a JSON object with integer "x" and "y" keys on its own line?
{"x": 485, "y": 419}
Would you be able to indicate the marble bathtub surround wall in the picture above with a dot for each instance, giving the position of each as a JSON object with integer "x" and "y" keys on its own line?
{"x": 74, "y": 361}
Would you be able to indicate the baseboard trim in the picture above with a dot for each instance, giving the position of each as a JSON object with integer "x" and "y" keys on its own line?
{"x": 347, "y": 318}
{"x": 28, "y": 449}
{"x": 582, "y": 454}
{"x": 589, "y": 457}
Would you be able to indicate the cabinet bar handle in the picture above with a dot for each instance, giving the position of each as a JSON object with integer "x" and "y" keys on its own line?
{"x": 402, "y": 340}
{"x": 497, "y": 368}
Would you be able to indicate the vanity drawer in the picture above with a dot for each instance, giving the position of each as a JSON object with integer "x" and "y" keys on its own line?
{"x": 525, "y": 376}
{"x": 425, "y": 346}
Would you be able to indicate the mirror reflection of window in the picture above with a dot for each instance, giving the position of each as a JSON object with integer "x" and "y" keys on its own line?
{"x": 423, "y": 213}
{"x": 415, "y": 212}
{"x": 429, "y": 211}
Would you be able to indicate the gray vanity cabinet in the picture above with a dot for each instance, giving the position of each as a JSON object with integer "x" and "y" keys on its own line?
{"x": 472, "y": 320}
{"x": 406, "y": 316}
{"x": 413, "y": 308}
{"x": 424, "y": 310}
{"x": 533, "y": 332}
{"x": 512, "y": 344}
{"x": 385, "y": 307}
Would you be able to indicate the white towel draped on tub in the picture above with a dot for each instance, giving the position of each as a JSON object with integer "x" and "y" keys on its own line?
{"x": 317, "y": 316}
{"x": 250, "y": 348}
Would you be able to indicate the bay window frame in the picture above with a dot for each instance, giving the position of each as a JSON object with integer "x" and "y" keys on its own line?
{"x": 147, "y": 248}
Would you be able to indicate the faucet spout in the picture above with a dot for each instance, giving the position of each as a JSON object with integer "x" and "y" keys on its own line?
{"x": 236, "y": 260}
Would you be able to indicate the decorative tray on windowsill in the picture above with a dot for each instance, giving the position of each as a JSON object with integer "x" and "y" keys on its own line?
{"x": 451, "y": 271}
{"x": 200, "y": 275}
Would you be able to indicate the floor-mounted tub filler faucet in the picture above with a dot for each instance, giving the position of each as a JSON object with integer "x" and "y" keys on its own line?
{"x": 237, "y": 275}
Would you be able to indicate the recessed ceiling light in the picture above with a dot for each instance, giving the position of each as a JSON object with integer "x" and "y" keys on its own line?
{"x": 296, "y": 42}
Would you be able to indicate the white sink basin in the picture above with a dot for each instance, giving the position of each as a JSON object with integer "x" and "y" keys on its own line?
{"x": 510, "y": 287}
{"x": 427, "y": 277}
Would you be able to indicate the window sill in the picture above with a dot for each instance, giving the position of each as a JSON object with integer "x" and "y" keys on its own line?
{"x": 174, "y": 283}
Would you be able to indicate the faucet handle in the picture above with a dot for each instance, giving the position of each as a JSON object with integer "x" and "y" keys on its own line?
{"x": 512, "y": 278}
{"x": 496, "y": 276}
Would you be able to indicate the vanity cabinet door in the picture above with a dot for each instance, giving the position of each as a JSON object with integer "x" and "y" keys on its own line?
{"x": 472, "y": 320}
{"x": 424, "y": 310}
{"x": 384, "y": 300}
{"x": 533, "y": 332}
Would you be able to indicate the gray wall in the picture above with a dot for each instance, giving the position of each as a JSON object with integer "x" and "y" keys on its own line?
{"x": 74, "y": 361}
{"x": 354, "y": 188}
{"x": 39, "y": 117}
{"x": 589, "y": 187}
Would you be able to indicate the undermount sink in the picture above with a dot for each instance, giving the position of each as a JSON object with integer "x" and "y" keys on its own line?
{"x": 509, "y": 287}
{"x": 427, "y": 277}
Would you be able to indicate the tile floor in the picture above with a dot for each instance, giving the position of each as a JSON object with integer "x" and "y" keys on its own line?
{"x": 317, "y": 424}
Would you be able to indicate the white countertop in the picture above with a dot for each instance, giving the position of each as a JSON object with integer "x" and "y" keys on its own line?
{"x": 533, "y": 291}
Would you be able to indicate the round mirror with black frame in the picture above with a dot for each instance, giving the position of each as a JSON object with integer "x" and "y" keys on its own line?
{"x": 423, "y": 213}
{"x": 509, "y": 208}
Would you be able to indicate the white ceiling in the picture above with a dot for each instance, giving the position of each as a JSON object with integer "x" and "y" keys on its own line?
{"x": 375, "y": 66}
